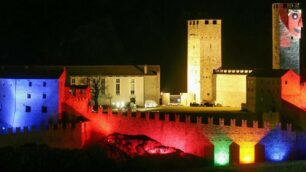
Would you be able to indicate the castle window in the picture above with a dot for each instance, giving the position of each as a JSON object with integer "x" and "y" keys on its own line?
{"x": 28, "y": 108}
{"x": 44, "y": 109}
{"x": 117, "y": 86}
{"x": 214, "y": 22}
{"x": 286, "y": 82}
{"x": 28, "y": 96}
{"x": 206, "y": 22}
{"x": 30, "y": 84}
{"x": 132, "y": 86}
{"x": 103, "y": 86}
{"x": 44, "y": 96}
{"x": 44, "y": 84}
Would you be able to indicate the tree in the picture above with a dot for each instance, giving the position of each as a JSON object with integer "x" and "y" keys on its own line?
{"x": 99, "y": 89}
{"x": 95, "y": 86}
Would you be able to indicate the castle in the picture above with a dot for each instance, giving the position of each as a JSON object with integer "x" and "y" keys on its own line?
{"x": 223, "y": 141}
{"x": 209, "y": 82}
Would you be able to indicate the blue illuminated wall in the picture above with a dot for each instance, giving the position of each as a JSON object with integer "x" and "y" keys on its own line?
{"x": 279, "y": 144}
{"x": 7, "y": 102}
{"x": 26, "y": 102}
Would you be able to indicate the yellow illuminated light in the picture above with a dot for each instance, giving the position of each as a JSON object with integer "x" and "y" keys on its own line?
{"x": 247, "y": 153}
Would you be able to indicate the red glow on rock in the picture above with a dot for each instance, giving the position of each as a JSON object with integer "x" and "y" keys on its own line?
{"x": 138, "y": 145}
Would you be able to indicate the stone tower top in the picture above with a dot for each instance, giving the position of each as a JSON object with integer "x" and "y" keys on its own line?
{"x": 205, "y": 21}
{"x": 286, "y": 5}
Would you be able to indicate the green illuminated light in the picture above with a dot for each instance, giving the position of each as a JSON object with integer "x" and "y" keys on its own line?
{"x": 221, "y": 158}
{"x": 221, "y": 153}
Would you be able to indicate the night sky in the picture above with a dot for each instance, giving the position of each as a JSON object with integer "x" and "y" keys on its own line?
{"x": 99, "y": 32}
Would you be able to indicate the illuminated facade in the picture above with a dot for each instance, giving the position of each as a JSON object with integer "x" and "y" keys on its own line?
{"x": 30, "y": 96}
{"x": 286, "y": 35}
{"x": 119, "y": 84}
{"x": 230, "y": 86}
{"x": 204, "y": 55}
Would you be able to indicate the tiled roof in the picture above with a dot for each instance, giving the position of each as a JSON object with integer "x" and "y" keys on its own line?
{"x": 268, "y": 73}
{"x": 30, "y": 72}
{"x": 112, "y": 70}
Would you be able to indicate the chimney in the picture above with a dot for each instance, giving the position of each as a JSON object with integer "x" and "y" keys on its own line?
{"x": 145, "y": 69}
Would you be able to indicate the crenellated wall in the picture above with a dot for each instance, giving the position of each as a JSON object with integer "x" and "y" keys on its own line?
{"x": 56, "y": 136}
{"x": 203, "y": 139}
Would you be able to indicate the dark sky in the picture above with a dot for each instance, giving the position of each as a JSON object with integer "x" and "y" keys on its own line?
{"x": 99, "y": 32}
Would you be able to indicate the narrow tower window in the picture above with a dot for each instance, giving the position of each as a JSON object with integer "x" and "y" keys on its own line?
{"x": 117, "y": 86}
{"x": 132, "y": 87}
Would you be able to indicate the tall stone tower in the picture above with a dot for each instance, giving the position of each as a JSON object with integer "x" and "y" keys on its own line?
{"x": 204, "y": 55}
{"x": 286, "y": 35}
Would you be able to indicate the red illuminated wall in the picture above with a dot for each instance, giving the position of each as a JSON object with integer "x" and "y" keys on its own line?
{"x": 76, "y": 103}
{"x": 193, "y": 138}
{"x": 290, "y": 84}
{"x": 184, "y": 136}
{"x": 293, "y": 91}
{"x": 61, "y": 94}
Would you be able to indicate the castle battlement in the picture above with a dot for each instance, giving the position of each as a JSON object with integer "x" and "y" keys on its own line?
{"x": 185, "y": 119}
{"x": 232, "y": 71}
{"x": 286, "y": 5}
{"x": 205, "y": 22}
{"x": 56, "y": 136}
{"x": 39, "y": 129}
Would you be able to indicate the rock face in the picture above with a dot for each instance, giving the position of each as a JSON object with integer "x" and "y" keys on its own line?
{"x": 139, "y": 145}
{"x": 141, "y": 153}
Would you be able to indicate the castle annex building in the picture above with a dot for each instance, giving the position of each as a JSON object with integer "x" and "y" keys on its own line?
{"x": 117, "y": 84}
{"x": 31, "y": 96}
{"x": 231, "y": 86}
{"x": 204, "y": 55}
